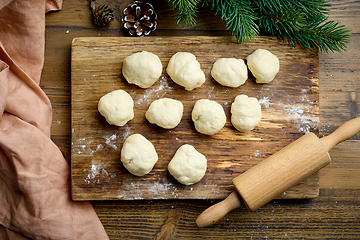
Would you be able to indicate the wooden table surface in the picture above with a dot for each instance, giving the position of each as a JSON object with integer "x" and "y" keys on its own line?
{"x": 334, "y": 214}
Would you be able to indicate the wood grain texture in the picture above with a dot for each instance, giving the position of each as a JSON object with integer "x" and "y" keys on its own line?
{"x": 334, "y": 214}
{"x": 289, "y": 109}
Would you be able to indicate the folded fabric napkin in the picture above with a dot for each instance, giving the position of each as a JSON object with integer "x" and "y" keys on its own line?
{"x": 35, "y": 199}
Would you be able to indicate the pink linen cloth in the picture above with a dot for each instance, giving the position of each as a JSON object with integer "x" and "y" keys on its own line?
{"x": 35, "y": 199}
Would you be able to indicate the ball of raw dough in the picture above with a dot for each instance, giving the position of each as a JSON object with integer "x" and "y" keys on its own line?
{"x": 184, "y": 69}
{"x": 230, "y": 72}
{"x": 263, "y": 65}
{"x": 117, "y": 107}
{"x": 142, "y": 68}
{"x": 208, "y": 116}
{"x": 165, "y": 113}
{"x": 245, "y": 113}
{"x": 138, "y": 155}
{"x": 188, "y": 166}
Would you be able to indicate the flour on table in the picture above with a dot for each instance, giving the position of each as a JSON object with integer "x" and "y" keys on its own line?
{"x": 257, "y": 154}
{"x": 85, "y": 147}
{"x": 160, "y": 91}
{"x": 109, "y": 140}
{"x": 56, "y": 122}
{"x": 301, "y": 114}
{"x": 326, "y": 127}
{"x": 215, "y": 92}
{"x": 91, "y": 175}
{"x": 161, "y": 189}
{"x": 210, "y": 92}
{"x": 127, "y": 132}
{"x": 264, "y": 102}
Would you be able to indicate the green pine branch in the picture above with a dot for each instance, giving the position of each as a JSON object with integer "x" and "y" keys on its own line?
{"x": 296, "y": 22}
{"x": 239, "y": 16}
{"x": 307, "y": 6}
{"x": 322, "y": 34}
{"x": 186, "y": 11}
{"x": 284, "y": 21}
{"x": 310, "y": 29}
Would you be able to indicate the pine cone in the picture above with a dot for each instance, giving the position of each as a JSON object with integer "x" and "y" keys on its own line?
{"x": 102, "y": 14}
{"x": 140, "y": 19}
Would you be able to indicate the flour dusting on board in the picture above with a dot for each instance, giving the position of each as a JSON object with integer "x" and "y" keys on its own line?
{"x": 161, "y": 188}
{"x": 264, "y": 102}
{"x": 302, "y": 114}
{"x": 257, "y": 154}
{"x": 109, "y": 140}
{"x": 127, "y": 132}
{"x": 85, "y": 147}
{"x": 160, "y": 91}
{"x": 210, "y": 92}
{"x": 91, "y": 175}
{"x": 158, "y": 189}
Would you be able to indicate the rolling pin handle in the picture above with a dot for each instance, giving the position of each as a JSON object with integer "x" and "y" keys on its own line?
{"x": 344, "y": 132}
{"x": 219, "y": 210}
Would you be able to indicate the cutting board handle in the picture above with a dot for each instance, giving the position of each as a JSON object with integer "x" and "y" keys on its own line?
{"x": 344, "y": 132}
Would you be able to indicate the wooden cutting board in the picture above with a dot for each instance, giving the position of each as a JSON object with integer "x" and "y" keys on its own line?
{"x": 290, "y": 108}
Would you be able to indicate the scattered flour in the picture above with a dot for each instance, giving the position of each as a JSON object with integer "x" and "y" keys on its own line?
{"x": 160, "y": 91}
{"x": 208, "y": 70}
{"x": 91, "y": 175}
{"x": 303, "y": 113}
{"x": 85, "y": 147}
{"x": 57, "y": 122}
{"x": 161, "y": 189}
{"x": 303, "y": 119}
{"x": 127, "y": 132}
{"x": 213, "y": 92}
{"x": 264, "y": 102}
{"x": 210, "y": 92}
{"x": 109, "y": 141}
{"x": 257, "y": 154}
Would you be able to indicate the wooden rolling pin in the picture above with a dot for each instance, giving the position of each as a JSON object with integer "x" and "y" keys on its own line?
{"x": 270, "y": 178}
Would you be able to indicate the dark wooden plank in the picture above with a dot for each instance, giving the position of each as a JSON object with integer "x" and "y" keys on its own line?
{"x": 339, "y": 87}
{"x": 290, "y": 109}
{"x": 343, "y": 171}
{"x": 333, "y": 215}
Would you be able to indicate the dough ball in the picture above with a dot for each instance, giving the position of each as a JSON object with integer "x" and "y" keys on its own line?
{"x": 188, "y": 166}
{"x": 230, "y": 72}
{"x": 117, "y": 107}
{"x": 263, "y": 65}
{"x": 165, "y": 113}
{"x": 184, "y": 69}
{"x": 208, "y": 116}
{"x": 245, "y": 113}
{"x": 138, "y": 155}
{"x": 142, "y": 68}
